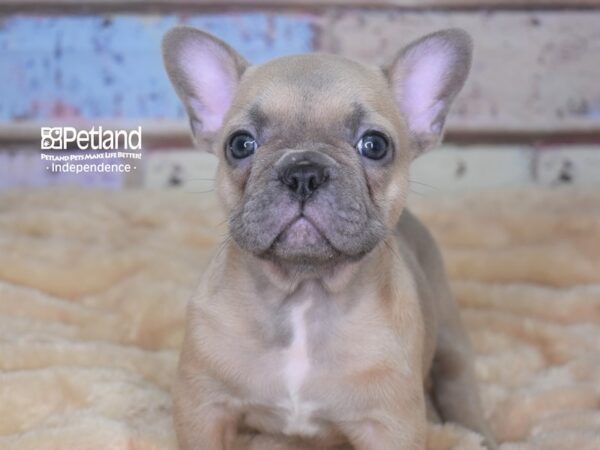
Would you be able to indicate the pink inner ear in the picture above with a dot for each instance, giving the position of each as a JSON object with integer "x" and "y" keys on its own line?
{"x": 206, "y": 67}
{"x": 426, "y": 69}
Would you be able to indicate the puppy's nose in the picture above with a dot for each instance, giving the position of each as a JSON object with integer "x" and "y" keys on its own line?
{"x": 304, "y": 177}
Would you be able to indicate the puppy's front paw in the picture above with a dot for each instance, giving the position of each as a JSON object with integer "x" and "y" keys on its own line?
{"x": 490, "y": 444}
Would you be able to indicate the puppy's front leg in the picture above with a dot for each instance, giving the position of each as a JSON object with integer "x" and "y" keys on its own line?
{"x": 374, "y": 435}
{"x": 212, "y": 427}
{"x": 201, "y": 421}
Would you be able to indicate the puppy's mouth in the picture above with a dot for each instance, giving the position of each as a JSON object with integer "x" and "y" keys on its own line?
{"x": 301, "y": 240}
{"x": 301, "y": 231}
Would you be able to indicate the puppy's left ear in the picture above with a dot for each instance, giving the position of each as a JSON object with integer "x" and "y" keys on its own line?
{"x": 425, "y": 78}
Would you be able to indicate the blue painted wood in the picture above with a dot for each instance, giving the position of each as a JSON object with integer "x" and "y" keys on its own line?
{"x": 99, "y": 66}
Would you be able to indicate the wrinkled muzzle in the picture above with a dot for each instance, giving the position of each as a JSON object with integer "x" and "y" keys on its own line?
{"x": 304, "y": 206}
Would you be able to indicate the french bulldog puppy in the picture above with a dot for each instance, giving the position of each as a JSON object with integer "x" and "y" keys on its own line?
{"x": 325, "y": 319}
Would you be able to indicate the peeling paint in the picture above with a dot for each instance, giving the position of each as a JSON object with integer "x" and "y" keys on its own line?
{"x": 109, "y": 66}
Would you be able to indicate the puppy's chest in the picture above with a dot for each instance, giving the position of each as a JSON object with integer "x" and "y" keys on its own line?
{"x": 294, "y": 368}
{"x": 304, "y": 382}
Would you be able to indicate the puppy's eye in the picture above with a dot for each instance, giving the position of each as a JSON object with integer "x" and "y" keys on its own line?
{"x": 373, "y": 145}
{"x": 241, "y": 145}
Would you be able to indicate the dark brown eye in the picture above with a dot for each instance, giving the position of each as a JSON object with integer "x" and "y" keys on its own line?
{"x": 373, "y": 145}
{"x": 241, "y": 145}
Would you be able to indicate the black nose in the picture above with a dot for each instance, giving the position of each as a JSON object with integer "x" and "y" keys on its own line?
{"x": 304, "y": 177}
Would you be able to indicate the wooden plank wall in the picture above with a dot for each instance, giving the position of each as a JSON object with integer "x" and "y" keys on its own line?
{"x": 534, "y": 89}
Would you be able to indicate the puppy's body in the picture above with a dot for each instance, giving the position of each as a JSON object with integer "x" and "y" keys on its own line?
{"x": 325, "y": 318}
{"x": 322, "y": 364}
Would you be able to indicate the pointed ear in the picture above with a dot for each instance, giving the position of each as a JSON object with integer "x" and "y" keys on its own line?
{"x": 425, "y": 77}
{"x": 205, "y": 72}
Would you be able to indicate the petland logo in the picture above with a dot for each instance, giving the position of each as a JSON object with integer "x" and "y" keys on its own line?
{"x": 68, "y": 150}
{"x": 65, "y": 138}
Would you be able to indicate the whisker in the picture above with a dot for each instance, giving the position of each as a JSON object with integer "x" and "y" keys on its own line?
{"x": 424, "y": 184}
{"x": 198, "y": 179}
{"x": 199, "y": 192}
{"x": 418, "y": 193}
{"x": 222, "y": 245}
{"x": 391, "y": 249}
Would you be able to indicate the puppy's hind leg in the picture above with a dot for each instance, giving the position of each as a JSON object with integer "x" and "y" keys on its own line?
{"x": 267, "y": 442}
{"x": 455, "y": 391}
{"x": 453, "y": 386}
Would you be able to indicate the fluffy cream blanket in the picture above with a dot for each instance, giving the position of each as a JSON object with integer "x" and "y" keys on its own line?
{"x": 93, "y": 288}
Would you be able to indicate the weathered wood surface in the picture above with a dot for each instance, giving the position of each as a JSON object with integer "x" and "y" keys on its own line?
{"x": 532, "y": 71}
{"x": 109, "y": 66}
{"x": 413, "y": 4}
{"x": 450, "y": 168}
{"x": 535, "y": 73}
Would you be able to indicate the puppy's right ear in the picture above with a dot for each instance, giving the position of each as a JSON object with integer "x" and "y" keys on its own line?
{"x": 205, "y": 72}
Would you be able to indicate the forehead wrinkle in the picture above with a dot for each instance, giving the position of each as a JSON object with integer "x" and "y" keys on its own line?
{"x": 292, "y": 109}
{"x": 257, "y": 117}
{"x": 355, "y": 118}
{"x": 310, "y": 118}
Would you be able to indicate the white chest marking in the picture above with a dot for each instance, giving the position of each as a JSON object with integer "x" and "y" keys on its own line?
{"x": 296, "y": 368}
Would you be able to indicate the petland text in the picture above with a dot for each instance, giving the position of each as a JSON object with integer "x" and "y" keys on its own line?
{"x": 67, "y": 138}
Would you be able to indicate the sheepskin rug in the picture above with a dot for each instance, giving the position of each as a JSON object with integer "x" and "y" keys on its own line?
{"x": 93, "y": 289}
